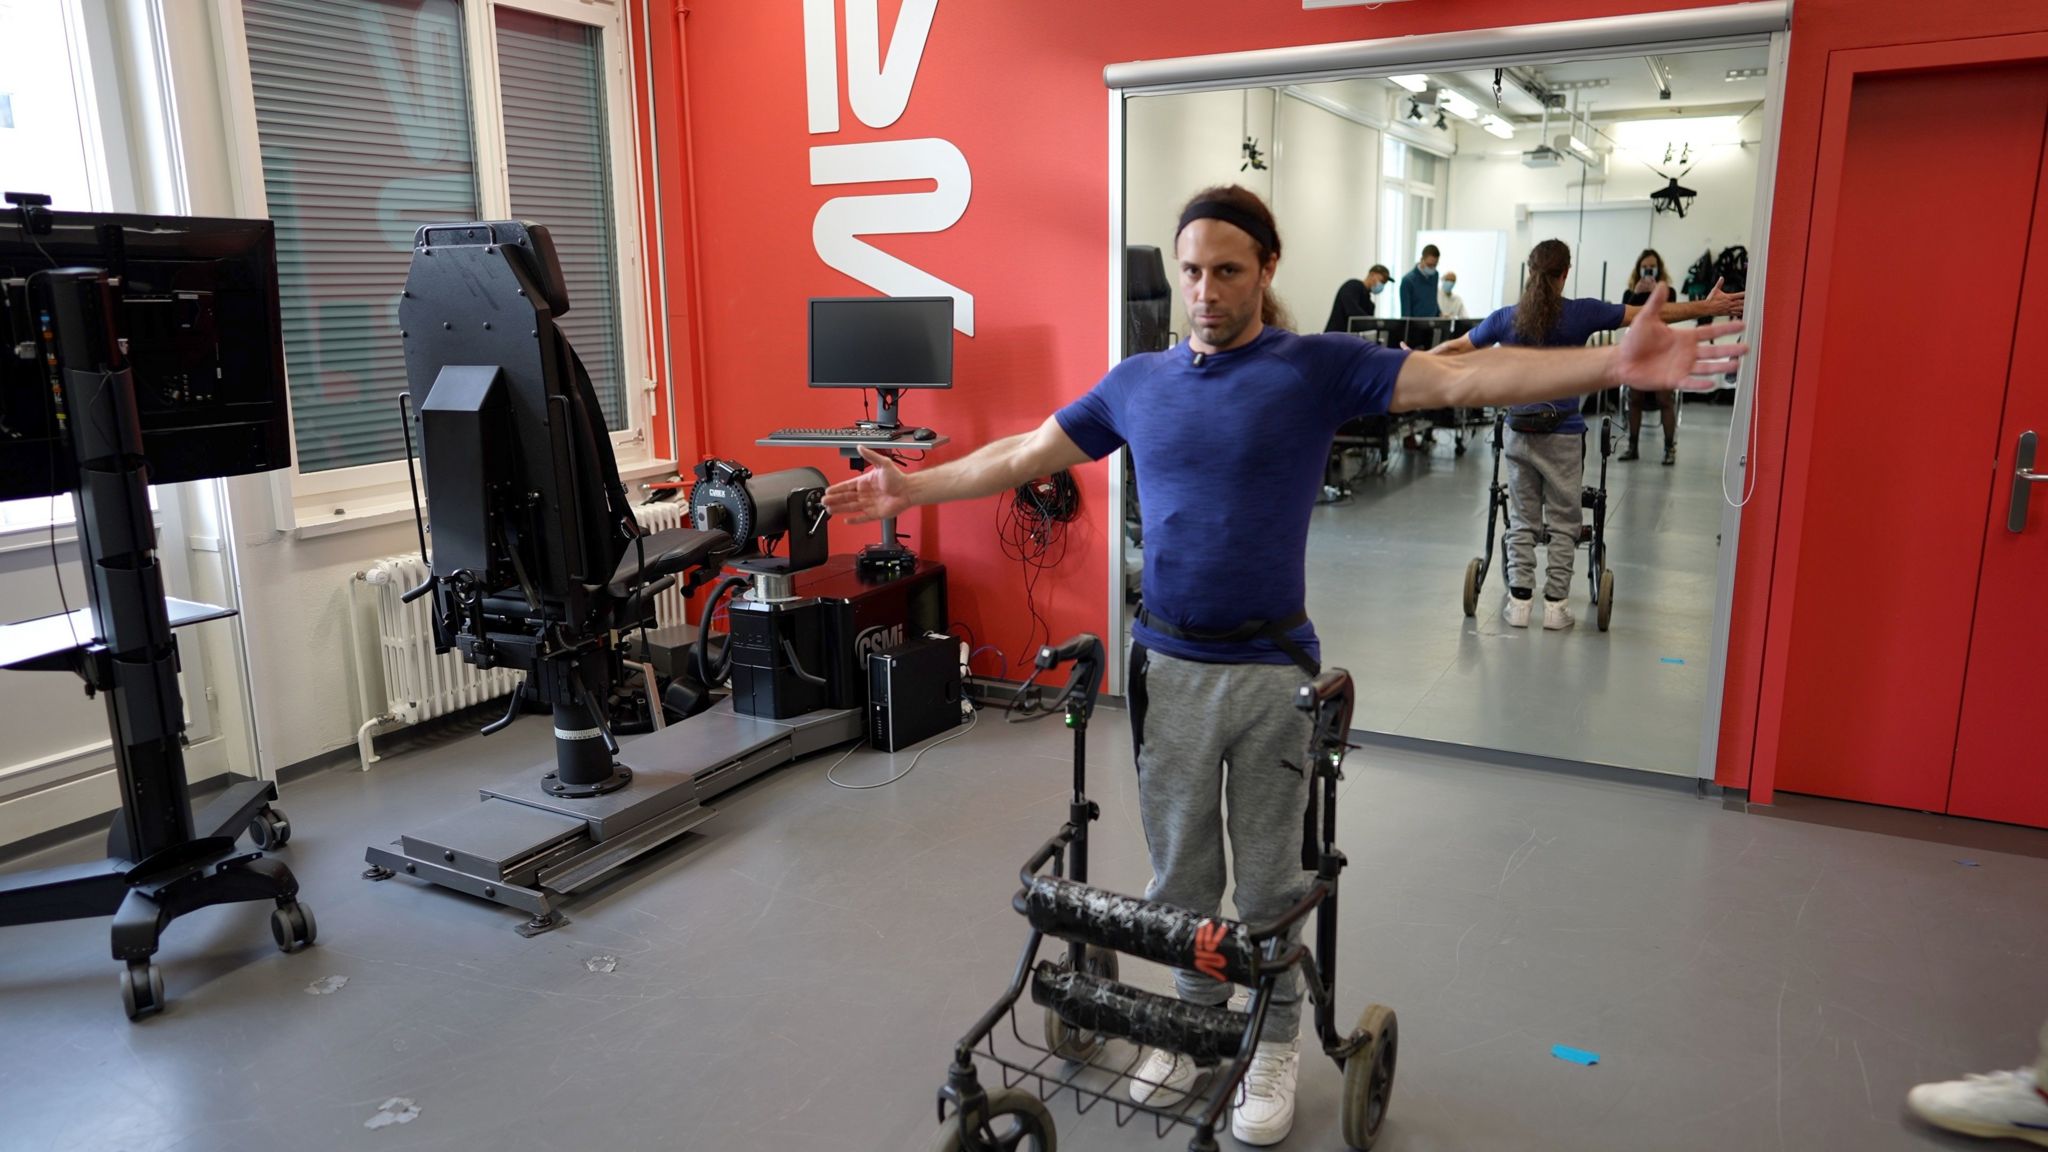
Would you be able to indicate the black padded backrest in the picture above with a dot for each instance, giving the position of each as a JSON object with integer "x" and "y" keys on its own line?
{"x": 485, "y": 293}
{"x": 1148, "y": 300}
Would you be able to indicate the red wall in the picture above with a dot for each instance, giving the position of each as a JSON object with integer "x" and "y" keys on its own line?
{"x": 1017, "y": 87}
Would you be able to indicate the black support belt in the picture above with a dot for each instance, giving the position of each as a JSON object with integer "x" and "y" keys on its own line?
{"x": 1274, "y": 630}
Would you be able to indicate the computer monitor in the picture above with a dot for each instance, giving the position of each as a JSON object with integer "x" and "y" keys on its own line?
{"x": 882, "y": 342}
{"x": 198, "y": 318}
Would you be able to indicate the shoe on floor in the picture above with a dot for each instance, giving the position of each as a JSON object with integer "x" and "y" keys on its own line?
{"x": 1516, "y": 612}
{"x": 1628, "y": 454}
{"x": 1163, "y": 1078}
{"x": 1557, "y": 615}
{"x": 1265, "y": 1101}
{"x": 2000, "y": 1105}
{"x": 1670, "y": 455}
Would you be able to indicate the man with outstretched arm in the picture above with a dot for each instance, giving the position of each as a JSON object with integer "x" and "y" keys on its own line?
{"x": 1229, "y": 431}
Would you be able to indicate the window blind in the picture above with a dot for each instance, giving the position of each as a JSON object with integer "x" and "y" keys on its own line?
{"x": 558, "y": 159}
{"x": 362, "y": 111}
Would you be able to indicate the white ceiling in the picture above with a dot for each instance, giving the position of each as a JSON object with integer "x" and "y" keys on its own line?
{"x": 1697, "y": 79}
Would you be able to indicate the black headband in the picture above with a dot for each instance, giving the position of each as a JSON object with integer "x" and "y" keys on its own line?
{"x": 1260, "y": 232}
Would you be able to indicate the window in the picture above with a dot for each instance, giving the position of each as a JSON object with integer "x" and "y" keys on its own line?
{"x": 49, "y": 143}
{"x": 551, "y": 74}
{"x": 373, "y": 117}
{"x": 362, "y": 107}
{"x": 1412, "y": 188}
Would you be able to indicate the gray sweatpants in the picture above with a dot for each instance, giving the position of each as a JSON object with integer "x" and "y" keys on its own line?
{"x": 1188, "y": 720}
{"x": 1546, "y": 476}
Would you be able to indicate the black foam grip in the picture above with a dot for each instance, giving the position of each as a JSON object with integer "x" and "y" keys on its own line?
{"x": 1162, "y": 933}
{"x": 1096, "y": 1004}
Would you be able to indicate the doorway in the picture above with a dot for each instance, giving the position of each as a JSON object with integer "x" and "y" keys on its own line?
{"x": 1367, "y": 169}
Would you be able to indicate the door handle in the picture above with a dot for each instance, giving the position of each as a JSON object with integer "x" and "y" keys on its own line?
{"x": 2023, "y": 480}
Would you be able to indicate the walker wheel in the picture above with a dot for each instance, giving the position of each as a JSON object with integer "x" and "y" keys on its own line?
{"x": 1473, "y": 578}
{"x": 1017, "y": 1122}
{"x": 1369, "y": 1077}
{"x": 1606, "y": 601}
{"x": 1080, "y": 1045}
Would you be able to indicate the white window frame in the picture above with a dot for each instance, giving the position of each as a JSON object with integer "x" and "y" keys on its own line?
{"x": 379, "y": 493}
{"x": 1436, "y": 192}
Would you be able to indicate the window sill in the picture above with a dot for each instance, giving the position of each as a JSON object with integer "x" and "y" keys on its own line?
{"x": 358, "y": 515}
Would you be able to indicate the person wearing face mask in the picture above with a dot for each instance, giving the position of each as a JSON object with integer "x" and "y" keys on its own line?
{"x": 1650, "y": 272}
{"x": 1355, "y": 298}
{"x": 1449, "y": 304}
{"x": 1418, "y": 287}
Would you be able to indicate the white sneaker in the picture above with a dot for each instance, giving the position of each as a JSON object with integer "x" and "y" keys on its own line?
{"x": 1163, "y": 1078}
{"x": 1265, "y": 1101}
{"x": 1516, "y": 612}
{"x": 2002, "y": 1104}
{"x": 1557, "y": 615}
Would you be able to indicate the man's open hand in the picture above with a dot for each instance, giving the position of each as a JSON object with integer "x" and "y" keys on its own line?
{"x": 1656, "y": 357}
{"x": 876, "y": 494}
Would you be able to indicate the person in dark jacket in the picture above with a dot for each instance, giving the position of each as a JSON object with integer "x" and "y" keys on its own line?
{"x": 1355, "y": 297}
{"x": 1418, "y": 287}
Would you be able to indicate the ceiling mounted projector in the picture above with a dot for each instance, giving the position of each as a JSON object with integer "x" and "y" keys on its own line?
{"x": 1541, "y": 156}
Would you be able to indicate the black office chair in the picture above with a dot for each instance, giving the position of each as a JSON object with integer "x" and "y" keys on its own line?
{"x": 538, "y": 562}
{"x": 1148, "y": 301}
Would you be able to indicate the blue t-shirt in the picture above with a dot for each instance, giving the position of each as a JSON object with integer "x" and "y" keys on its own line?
{"x": 1229, "y": 454}
{"x": 1578, "y": 323}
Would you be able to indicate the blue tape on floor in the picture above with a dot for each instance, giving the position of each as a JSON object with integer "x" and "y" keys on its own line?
{"x": 1673, "y": 660}
{"x": 1575, "y": 1055}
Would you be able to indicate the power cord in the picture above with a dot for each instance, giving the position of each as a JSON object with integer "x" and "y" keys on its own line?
{"x": 838, "y": 783}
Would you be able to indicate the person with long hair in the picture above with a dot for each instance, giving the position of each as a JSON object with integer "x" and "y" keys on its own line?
{"x": 1229, "y": 431}
{"x": 1650, "y": 271}
{"x": 1546, "y": 446}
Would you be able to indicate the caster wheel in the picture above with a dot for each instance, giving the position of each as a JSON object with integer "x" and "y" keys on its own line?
{"x": 1473, "y": 576}
{"x": 1605, "y": 603}
{"x": 269, "y": 830}
{"x": 291, "y": 925}
{"x": 142, "y": 989}
{"x": 1369, "y": 1077}
{"x": 1017, "y": 1122}
{"x": 1079, "y": 1045}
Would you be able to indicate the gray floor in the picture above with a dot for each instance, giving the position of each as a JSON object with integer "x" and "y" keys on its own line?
{"x": 793, "y": 978}
{"x": 1385, "y": 574}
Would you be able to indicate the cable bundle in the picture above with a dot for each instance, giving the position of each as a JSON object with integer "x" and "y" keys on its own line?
{"x": 1031, "y": 525}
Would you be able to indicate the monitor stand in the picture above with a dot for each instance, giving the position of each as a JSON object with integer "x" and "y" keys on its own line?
{"x": 889, "y": 557}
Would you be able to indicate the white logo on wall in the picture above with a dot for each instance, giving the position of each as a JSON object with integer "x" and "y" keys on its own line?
{"x": 879, "y": 90}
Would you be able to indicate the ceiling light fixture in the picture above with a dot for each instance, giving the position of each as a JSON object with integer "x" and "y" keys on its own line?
{"x": 1498, "y": 127}
{"x": 1458, "y": 106}
{"x": 1417, "y": 83}
{"x": 1735, "y": 74}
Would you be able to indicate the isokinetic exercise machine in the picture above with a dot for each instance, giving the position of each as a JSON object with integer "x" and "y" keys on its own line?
{"x": 1085, "y": 1007}
{"x": 140, "y": 350}
{"x": 538, "y": 564}
{"x": 1592, "y": 534}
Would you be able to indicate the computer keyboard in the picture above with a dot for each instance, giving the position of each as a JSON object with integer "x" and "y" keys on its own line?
{"x": 850, "y": 434}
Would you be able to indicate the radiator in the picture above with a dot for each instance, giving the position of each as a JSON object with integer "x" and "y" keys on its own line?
{"x": 420, "y": 684}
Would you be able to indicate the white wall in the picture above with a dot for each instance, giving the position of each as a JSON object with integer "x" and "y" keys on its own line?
{"x": 1322, "y": 179}
{"x": 1486, "y": 189}
{"x": 1327, "y": 201}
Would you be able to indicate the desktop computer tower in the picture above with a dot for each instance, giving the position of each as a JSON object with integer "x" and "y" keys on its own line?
{"x": 913, "y": 691}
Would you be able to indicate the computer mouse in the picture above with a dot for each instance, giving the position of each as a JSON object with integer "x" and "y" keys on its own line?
{"x": 924, "y": 434}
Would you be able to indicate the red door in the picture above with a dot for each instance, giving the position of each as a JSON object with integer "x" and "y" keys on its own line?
{"x": 2001, "y": 771}
{"x": 1927, "y": 251}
